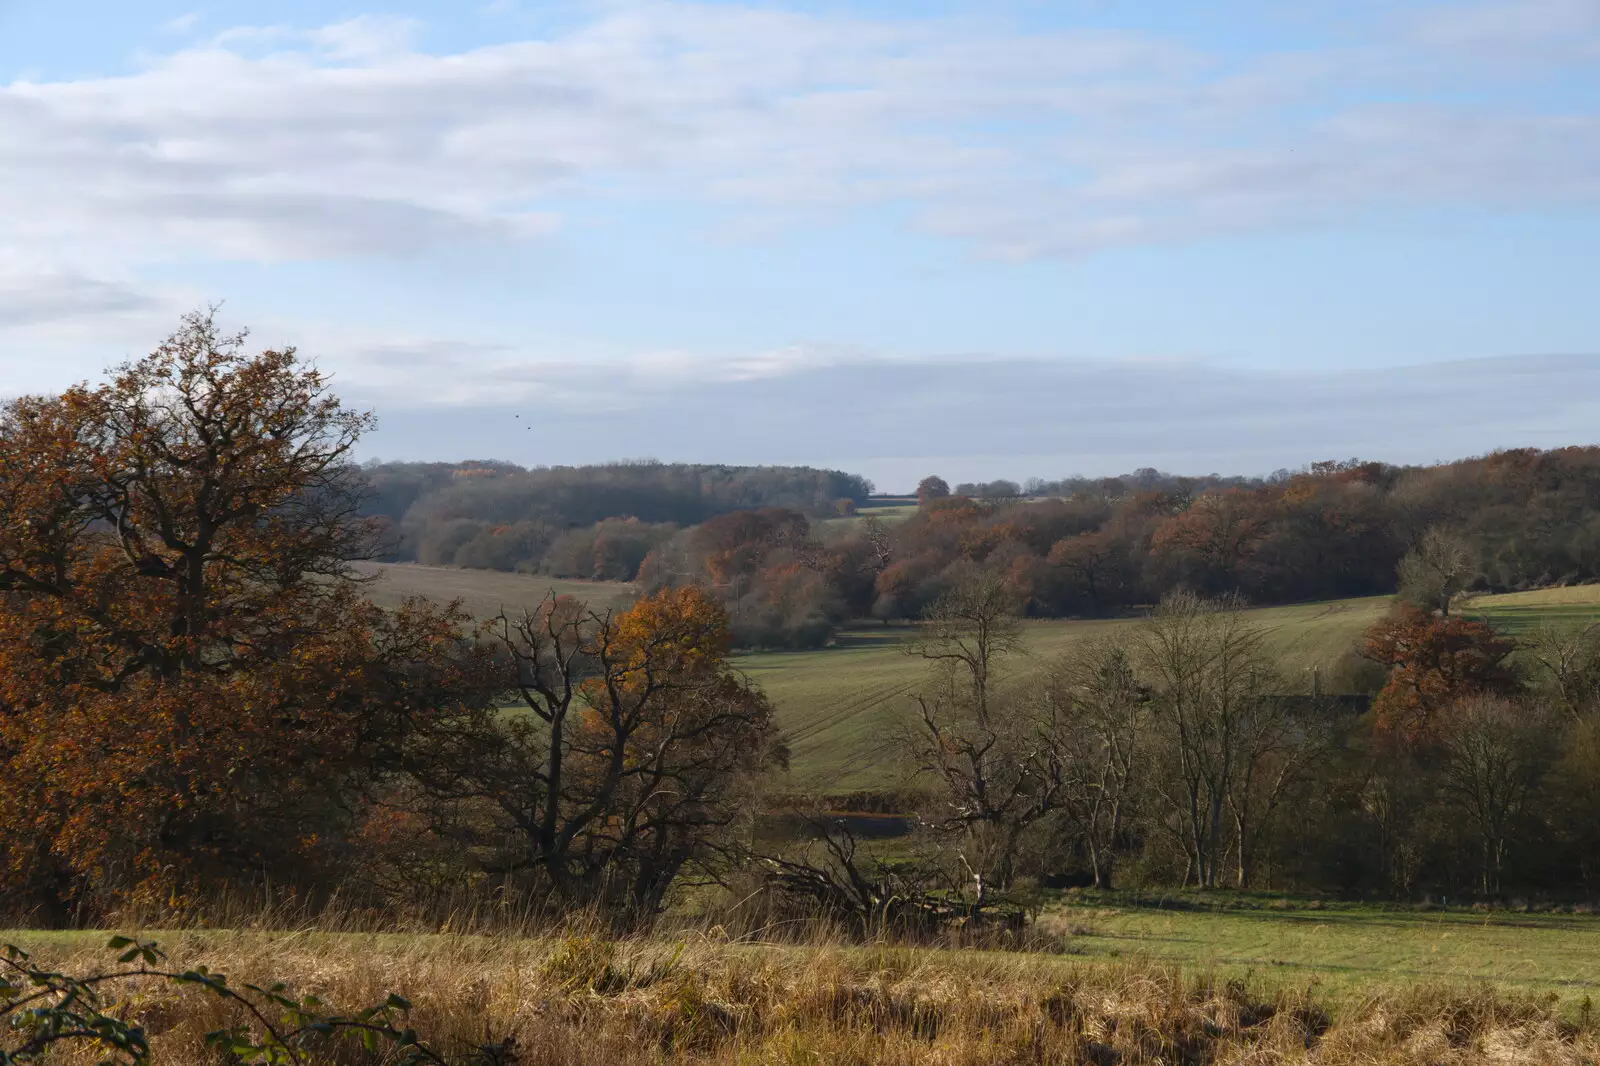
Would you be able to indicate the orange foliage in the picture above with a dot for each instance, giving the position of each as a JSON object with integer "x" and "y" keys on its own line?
{"x": 1435, "y": 662}
{"x": 187, "y": 670}
{"x": 1219, "y": 528}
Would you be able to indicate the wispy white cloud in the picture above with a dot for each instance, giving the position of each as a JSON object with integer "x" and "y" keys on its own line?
{"x": 1516, "y": 33}
{"x": 273, "y": 143}
{"x": 182, "y": 23}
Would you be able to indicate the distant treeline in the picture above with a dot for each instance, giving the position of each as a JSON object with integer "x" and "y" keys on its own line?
{"x": 1144, "y": 479}
{"x": 1514, "y": 519}
{"x": 594, "y": 522}
{"x": 1076, "y": 547}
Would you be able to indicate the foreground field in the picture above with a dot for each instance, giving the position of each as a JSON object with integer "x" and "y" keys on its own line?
{"x": 1348, "y": 949}
{"x": 694, "y": 999}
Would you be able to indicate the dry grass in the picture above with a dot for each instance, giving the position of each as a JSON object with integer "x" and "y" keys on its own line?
{"x": 585, "y": 999}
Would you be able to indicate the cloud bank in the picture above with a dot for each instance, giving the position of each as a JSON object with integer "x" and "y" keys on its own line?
{"x": 965, "y": 418}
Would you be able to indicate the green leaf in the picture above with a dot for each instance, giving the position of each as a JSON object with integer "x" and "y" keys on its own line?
{"x": 397, "y": 1002}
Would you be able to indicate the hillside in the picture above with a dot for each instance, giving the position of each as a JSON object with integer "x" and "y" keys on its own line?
{"x": 841, "y": 706}
{"x": 484, "y": 593}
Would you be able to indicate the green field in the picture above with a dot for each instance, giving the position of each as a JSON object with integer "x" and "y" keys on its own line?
{"x": 884, "y": 508}
{"x": 1348, "y": 948}
{"x": 842, "y": 706}
{"x": 1521, "y": 613}
{"x": 484, "y": 593}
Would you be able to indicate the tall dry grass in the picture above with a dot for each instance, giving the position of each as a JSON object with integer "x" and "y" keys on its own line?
{"x": 580, "y": 998}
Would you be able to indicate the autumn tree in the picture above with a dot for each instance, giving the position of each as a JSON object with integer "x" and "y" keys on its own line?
{"x": 1093, "y": 569}
{"x": 932, "y": 488}
{"x": 1434, "y": 662}
{"x": 631, "y": 762}
{"x": 1214, "y": 536}
{"x": 190, "y": 677}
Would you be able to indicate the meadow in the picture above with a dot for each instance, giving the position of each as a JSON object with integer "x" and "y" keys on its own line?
{"x": 1456, "y": 991}
{"x": 841, "y": 706}
{"x": 1347, "y": 949}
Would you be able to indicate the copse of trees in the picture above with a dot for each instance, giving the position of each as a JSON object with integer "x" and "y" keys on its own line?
{"x": 1075, "y": 547}
{"x": 1510, "y": 520}
{"x": 195, "y": 693}
{"x": 781, "y": 586}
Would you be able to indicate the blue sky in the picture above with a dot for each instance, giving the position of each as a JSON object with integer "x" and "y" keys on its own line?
{"x": 713, "y": 231}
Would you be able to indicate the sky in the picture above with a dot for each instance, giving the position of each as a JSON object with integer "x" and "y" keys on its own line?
{"x": 1011, "y": 238}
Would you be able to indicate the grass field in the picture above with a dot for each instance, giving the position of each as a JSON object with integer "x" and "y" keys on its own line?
{"x": 1348, "y": 949}
{"x": 1520, "y": 613}
{"x": 485, "y": 592}
{"x": 841, "y": 706}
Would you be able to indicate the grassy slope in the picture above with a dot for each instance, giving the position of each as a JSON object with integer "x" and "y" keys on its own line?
{"x": 841, "y": 706}
{"x": 1520, "y": 613}
{"x": 485, "y": 592}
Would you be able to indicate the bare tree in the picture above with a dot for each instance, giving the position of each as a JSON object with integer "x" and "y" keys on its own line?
{"x": 1495, "y": 753}
{"x": 967, "y": 632}
{"x": 1211, "y": 694}
{"x": 1101, "y": 712}
{"x": 1437, "y": 569}
{"x": 1568, "y": 656}
{"x": 632, "y": 759}
{"x": 998, "y": 768}
{"x": 1278, "y": 749}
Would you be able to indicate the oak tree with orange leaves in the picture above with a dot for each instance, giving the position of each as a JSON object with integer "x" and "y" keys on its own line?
{"x": 1435, "y": 662}
{"x": 632, "y": 762}
{"x": 190, "y": 678}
